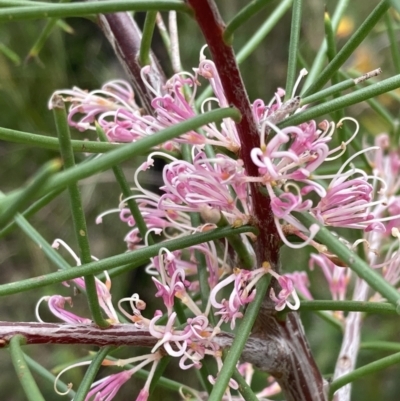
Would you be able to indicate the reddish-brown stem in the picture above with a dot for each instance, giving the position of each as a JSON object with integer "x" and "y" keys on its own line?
{"x": 299, "y": 376}
{"x": 212, "y": 26}
{"x": 124, "y": 36}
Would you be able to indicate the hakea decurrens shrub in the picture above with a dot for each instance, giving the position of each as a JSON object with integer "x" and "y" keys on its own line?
{"x": 217, "y": 187}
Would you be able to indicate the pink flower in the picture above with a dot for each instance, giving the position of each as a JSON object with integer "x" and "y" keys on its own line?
{"x": 269, "y": 391}
{"x": 307, "y": 150}
{"x": 286, "y": 203}
{"x": 173, "y": 341}
{"x": 242, "y": 293}
{"x": 199, "y": 327}
{"x": 168, "y": 292}
{"x": 391, "y": 265}
{"x": 227, "y": 136}
{"x": 106, "y": 389}
{"x": 115, "y": 109}
{"x": 195, "y": 353}
{"x": 393, "y": 210}
{"x": 103, "y": 294}
{"x": 212, "y": 379}
{"x": 386, "y": 163}
{"x": 156, "y": 219}
{"x": 347, "y": 204}
{"x": 301, "y": 283}
{"x": 190, "y": 187}
{"x": 282, "y": 300}
{"x": 143, "y": 395}
{"x": 113, "y": 96}
{"x": 337, "y": 276}
{"x": 56, "y": 305}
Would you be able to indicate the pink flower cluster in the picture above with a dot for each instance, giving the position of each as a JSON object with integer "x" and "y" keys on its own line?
{"x": 191, "y": 342}
{"x": 216, "y": 187}
{"x": 287, "y": 158}
{"x": 114, "y": 108}
{"x": 372, "y": 206}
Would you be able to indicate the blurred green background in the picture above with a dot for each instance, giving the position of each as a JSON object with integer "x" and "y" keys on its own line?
{"x": 85, "y": 59}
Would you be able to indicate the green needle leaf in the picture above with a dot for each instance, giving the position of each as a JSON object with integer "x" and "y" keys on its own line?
{"x": 394, "y": 45}
{"x": 116, "y": 156}
{"x": 320, "y": 58}
{"x": 381, "y": 346}
{"x": 38, "y": 239}
{"x": 78, "y": 216}
{"x": 134, "y": 258}
{"x": 293, "y": 47}
{"x": 349, "y": 306}
{"x": 343, "y": 101}
{"x": 373, "y": 367}
{"x": 24, "y": 375}
{"x": 244, "y": 389}
{"x": 145, "y": 44}
{"x": 38, "y": 205}
{"x": 359, "y": 266}
{"x": 395, "y": 4}
{"x": 41, "y": 40}
{"x": 347, "y": 50}
{"x": 25, "y": 196}
{"x": 47, "y": 142}
{"x": 337, "y": 88}
{"x": 79, "y": 9}
{"x": 91, "y": 373}
{"x": 43, "y": 372}
{"x": 242, "y": 16}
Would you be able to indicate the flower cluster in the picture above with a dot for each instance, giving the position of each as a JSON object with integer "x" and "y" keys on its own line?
{"x": 114, "y": 108}
{"x": 287, "y": 158}
{"x": 376, "y": 211}
{"x": 215, "y": 187}
{"x": 191, "y": 342}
